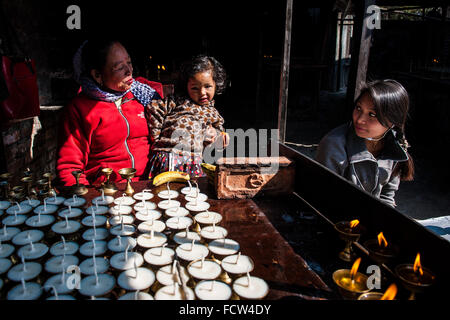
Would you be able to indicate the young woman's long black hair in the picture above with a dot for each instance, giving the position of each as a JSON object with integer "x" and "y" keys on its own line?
{"x": 391, "y": 101}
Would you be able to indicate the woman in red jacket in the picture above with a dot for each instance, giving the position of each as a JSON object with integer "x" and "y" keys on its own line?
{"x": 104, "y": 125}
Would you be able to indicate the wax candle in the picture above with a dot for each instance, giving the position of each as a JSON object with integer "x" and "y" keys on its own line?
{"x": 152, "y": 239}
{"x": 5, "y": 264}
{"x": 95, "y": 234}
{"x": 96, "y": 247}
{"x": 25, "y": 291}
{"x": 58, "y": 264}
{"x": 168, "y": 274}
{"x": 144, "y": 205}
{"x": 33, "y": 251}
{"x": 200, "y": 197}
{"x": 250, "y": 287}
{"x": 204, "y": 269}
{"x": 190, "y": 251}
{"x": 168, "y": 194}
{"x": 66, "y": 227}
{"x": 100, "y": 264}
{"x": 178, "y": 223}
{"x": 64, "y": 248}
{"x": 40, "y": 221}
{"x": 224, "y": 247}
{"x": 61, "y": 297}
{"x": 26, "y": 271}
{"x": 25, "y": 237}
{"x": 136, "y": 279}
{"x": 126, "y": 260}
{"x": 144, "y": 195}
{"x": 59, "y": 283}
{"x": 166, "y": 204}
{"x": 6, "y": 250}
{"x": 7, "y": 233}
{"x": 75, "y": 201}
{"x": 148, "y": 226}
{"x": 124, "y": 200}
{"x": 208, "y": 217}
{"x": 103, "y": 200}
{"x": 237, "y": 264}
{"x": 213, "y": 232}
{"x": 186, "y": 237}
{"x": 31, "y": 202}
{"x": 123, "y": 230}
{"x": 174, "y": 292}
{"x": 97, "y": 284}
{"x": 4, "y": 204}
{"x": 97, "y": 210}
{"x": 120, "y": 209}
{"x": 197, "y": 206}
{"x": 120, "y": 244}
{"x": 91, "y": 221}
{"x": 159, "y": 256}
{"x": 70, "y": 212}
{"x": 45, "y": 209}
{"x": 136, "y": 296}
{"x": 212, "y": 290}
{"x": 177, "y": 212}
{"x": 19, "y": 209}
{"x": 146, "y": 215}
{"x": 14, "y": 220}
{"x": 115, "y": 220}
{"x": 56, "y": 200}
{"x": 190, "y": 190}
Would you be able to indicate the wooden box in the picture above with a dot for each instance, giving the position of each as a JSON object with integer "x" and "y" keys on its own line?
{"x": 243, "y": 178}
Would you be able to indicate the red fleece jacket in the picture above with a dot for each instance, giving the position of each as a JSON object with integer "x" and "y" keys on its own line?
{"x": 96, "y": 135}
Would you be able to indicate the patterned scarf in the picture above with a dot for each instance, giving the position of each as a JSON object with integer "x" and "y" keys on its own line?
{"x": 143, "y": 92}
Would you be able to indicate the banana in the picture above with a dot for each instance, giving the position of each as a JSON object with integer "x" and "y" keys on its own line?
{"x": 170, "y": 176}
{"x": 210, "y": 171}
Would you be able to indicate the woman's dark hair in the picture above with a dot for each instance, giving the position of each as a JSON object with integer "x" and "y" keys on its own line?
{"x": 95, "y": 53}
{"x": 391, "y": 102}
{"x": 198, "y": 64}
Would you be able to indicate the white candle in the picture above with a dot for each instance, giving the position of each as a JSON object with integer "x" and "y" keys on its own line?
{"x": 4, "y": 204}
{"x": 125, "y": 261}
{"x": 64, "y": 248}
{"x": 7, "y": 233}
{"x": 66, "y": 227}
{"x": 146, "y": 194}
{"x": 212, "y": 290}
{"x": 75, "y": 201}
{"x": 178, "y": 223}
{"x": 177, "y": 212}
{"x": 250, "y": 287}
{"x": 58, "y": 264}
{"x": 28, "y": 291}
{"x": 148, "y": 241}
{"x": 186, "y": 237}
{"x": 97, "y": 210}
{"x": 14, "y": 220}
{"x": 166, "y": 204}
{"x": 146, "y": 215}
{"x": 97, "y": 221}
{"x": 208, "y": 217}
{"x": 174, "y": 292}
{"x": 103, "y": 200}
{"x": 5, "y": 264}
{"x": 25, "y": 237}
{"x": 100, "y": 264}
{"x": 6, "y": 250}
{"x": 224, "y": 247}
{"x": 168, "y": 274}
{"x": 70, "y": 212}
{"x": 136, "y": 279}
{"x": 168, "y": 194}
{"x": 40, "y": 221}
{"x": 136, "y": 296}
{"x": 25, "y": 270}
{"x": 125, "y": 200}
{"x": 204, "y": 269}
{"x": 97, "y": 285}
{"x": 19, "y": 209}
{"x": 148, "y": 226}
{"x": 197, "y": 206}
{"x": 58, "y": 281}
{"x": 31, "y": 202}
{"x": 159, "y": 256}
{"x": 119, "y": 244}
{"x": 200, "y": 197}
{"x": 33, "y": 251}
{"x": 123, "y": 230}
{"x": 237, "y": 264}
{"x": 144, "y": 205}
{"x": 115, "y": 220}
{"x": 56, "y": 200}
{"x": 213, "y": 232}
{"x": 190, "y": 252}
{"x": 120, "y": 209}
{"x": 95, "y": 234}
{"x": 97, "y": 247}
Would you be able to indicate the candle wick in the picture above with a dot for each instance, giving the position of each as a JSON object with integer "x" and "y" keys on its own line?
{"x": 126, "y": 252}
{"x": 238, "y": 256}
{"x": 103, "y": 195}
{"x": 96, "y": 277}
{"x": 23, "y": 285}
{"x": 192, "y": 245}
{"x": 70, "y": 209}
{"x": 212, "y": 285}
{"x": 119, "y": 239}
{"x": 64, "y": 242}
{"x": 136, "y": 295}
{"x": 32, "y": 246}
{"x": 18, "y": 205}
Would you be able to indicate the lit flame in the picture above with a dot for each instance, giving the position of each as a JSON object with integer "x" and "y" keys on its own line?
{"x": 390, "y": 293}
{"x": 355, "y": 268}
{"x": 417, "y": 265}
{"x": 163, "y": 67}
{"x": 382, "y": 239}
{"x": 354, "y": 223}
{"x": 159, "y": 67}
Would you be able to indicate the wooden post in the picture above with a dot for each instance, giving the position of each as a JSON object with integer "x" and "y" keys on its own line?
{"x": 284, "y": 78}
{"x": 360, "y": 52}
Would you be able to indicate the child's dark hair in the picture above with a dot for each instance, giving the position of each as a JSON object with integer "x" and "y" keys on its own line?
{"x": 391, "y": 102}
{"x": 198, "y": 64}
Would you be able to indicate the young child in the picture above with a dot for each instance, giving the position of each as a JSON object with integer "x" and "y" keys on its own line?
{"x": 371, "y": 150}
{"x": 182, "y": 126}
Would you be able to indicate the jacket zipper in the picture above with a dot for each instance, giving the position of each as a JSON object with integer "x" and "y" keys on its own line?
{"x": 119, "y": 107}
